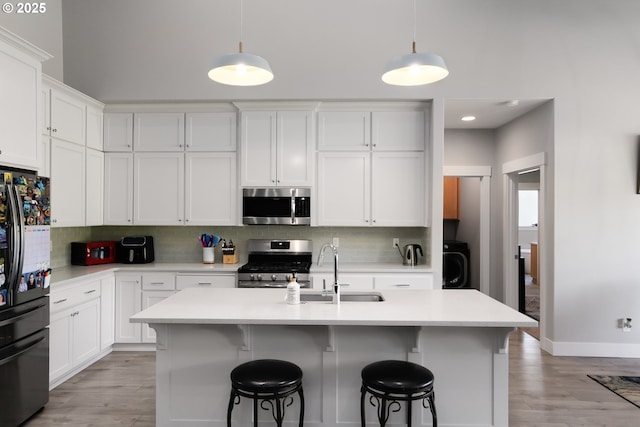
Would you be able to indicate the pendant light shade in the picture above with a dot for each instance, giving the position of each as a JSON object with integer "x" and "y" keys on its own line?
{"x": 415, "y": 68}
{"x": 240, "y": 69}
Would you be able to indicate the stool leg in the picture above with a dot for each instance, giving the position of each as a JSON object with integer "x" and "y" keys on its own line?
{"x": 432, "y": 405}
{"x": 301, "y": 394}
{"x": 363, "y": 392}
{"x": 255, "y": 410}
{"x": 230, "y": 408}
{"x": 409, "y": 413}
{"x": 278, "y": 411}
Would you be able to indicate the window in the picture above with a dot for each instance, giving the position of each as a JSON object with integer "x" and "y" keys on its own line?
{"x": 528, "y": 208}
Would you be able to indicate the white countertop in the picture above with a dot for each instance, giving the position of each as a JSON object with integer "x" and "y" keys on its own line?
{"x": 462, "y": 308}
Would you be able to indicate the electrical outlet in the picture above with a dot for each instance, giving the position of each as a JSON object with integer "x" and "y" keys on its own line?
{"x": 396, "y": 242}
{"x": 626, "y": 324}
{"x": 336, "y": 242}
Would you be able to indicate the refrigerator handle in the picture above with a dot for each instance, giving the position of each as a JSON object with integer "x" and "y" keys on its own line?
{"x": 20, "y": 229}
{"x": 12, "y": 274}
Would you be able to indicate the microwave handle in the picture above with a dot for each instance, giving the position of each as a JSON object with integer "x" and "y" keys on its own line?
{"x": 293, "y": 206}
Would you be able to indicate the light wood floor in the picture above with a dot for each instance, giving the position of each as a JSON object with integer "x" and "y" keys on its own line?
{"x": 545, "y": 391}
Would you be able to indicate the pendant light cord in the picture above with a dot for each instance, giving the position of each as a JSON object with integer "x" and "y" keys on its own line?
{"x": 414, "y": 26}
{"x": 241, "y": 25}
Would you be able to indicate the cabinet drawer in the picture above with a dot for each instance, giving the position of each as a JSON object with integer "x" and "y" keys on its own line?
{"x": 206, "y": 280}
{"x": 404, "y": 281}
{"x": 74, "y": 295}
{"x": 158, "y": 282}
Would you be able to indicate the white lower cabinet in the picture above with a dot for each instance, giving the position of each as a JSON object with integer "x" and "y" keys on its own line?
{"x": 74, "y": 328}
{"x": 184, "y": 281}
{"x": 128, "y": 303}
{"x": 378, "y": 281}
{"x": 150, "y": 298}
{"x": 155, "y": 288}
{"x": 107, "y": 312}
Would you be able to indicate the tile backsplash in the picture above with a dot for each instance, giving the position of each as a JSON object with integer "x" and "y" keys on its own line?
{"x": 180, "y": 244}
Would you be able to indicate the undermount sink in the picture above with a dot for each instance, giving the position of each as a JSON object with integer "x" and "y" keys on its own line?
{"x": 344, "y": 297}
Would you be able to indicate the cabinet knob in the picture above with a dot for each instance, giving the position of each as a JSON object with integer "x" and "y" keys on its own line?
{"x": 54, "y": 130}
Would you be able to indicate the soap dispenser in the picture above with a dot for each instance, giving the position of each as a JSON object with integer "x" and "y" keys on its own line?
{"x": 293, "y": 291}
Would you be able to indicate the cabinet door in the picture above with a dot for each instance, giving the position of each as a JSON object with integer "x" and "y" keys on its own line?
{"x": 107, "y": 312}
{"x": 19, "y": 109}
{"x": 118, "y": 189}
{"x": 344, "y": 181}
{"x": 403, "y": 281}
{"x": 348, "y": 281}
{"x": 218, "y": 280}
{"x": 94, "y": 187}
{"x": 210, "y": 131}
{"x": 158, "y": 282}
{"x": 128, "y": 303}
{"x": 294, "y": 149}
{"x": 158, "y": 188}
{"x": 398, "y": 130}
{"x": 158, "y": 131}
{"x": 398, "y": 189}
{"x": 257, "y": 149}
{"x": 451, "y": 200}
{"x": 150, "y": 298}
{"x": 94, "y": 128}
{"x": 67, "y": 184}
{"x": 118, "y": 132}
{"x": 86, "y": 331}
{"x": 68, "y": 117}
{"x": 210, "y": 189}
{"x": 344, "y": 130}
{"x": 59, "y": 344}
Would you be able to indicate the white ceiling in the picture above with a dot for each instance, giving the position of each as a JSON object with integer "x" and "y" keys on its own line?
{"x": 490, "y": 114}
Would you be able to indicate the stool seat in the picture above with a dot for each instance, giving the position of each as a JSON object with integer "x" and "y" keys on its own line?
{"x": 266, "y": 375}
{"x": 390, "y": 382}
{"x": 270, "y": 384}
{"x": 395, "y": 376}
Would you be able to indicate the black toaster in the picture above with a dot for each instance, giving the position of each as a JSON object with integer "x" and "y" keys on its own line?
{"x": 135, "y": 250}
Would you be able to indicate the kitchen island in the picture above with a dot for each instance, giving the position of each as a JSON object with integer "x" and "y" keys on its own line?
{"x": 460, "y": 335}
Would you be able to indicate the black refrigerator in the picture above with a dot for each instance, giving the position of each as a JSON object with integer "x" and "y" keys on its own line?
{"x": 25, "y": 275}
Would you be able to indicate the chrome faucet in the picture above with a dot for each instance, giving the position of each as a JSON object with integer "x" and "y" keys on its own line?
{"x": 335, "y": 296}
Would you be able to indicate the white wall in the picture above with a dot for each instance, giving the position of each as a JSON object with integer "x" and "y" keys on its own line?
{"x": 496, "y": 49}
{"x": 43, "y": 30}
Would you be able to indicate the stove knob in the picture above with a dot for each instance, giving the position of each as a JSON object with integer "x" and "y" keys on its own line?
{"x": 252, "y": 277}
{"x": 273, "y": 277}
{"x": 287, "y": 277}
{"x": 259, "y": 277}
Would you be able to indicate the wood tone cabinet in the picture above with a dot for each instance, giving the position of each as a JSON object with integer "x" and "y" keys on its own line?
{"x": 534, "y": 262}
{"x": 451, "y": 203}
{"x": 276, "y": 148}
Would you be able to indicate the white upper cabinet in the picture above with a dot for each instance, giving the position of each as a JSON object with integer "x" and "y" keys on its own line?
{"x": 118, "y": 132}
{"x": 398, "y": 130}
{"x": 67, "y": 184}
{"x": 94, "y": 187}
{"x": 158, "y": 131}
{"x": 94, "y": 128}
{"x": 344, "y": 130}
{"x": 68, "y": 117}
{"x": 158, "y": 189}
{"x": 20, "y": 101}
{"x": 118, "y": 189}
{"x": 210, "y": 131}
{"x": 276, "y": 148}
{"x": 210, "y": 189}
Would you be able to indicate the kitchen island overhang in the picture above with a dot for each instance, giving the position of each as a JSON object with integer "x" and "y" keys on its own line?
{"x": 460, "y": 335}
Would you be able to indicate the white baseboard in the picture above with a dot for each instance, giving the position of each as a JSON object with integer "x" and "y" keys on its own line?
{"x": 591, "y": 349}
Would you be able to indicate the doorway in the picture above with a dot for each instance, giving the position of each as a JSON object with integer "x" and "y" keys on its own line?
{"x": 516, "y": 179}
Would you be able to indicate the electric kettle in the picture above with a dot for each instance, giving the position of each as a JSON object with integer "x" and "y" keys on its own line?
{"x": 410, "y": 254}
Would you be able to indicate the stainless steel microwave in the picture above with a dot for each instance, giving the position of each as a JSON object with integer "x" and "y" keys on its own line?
{"x": 276, "y": 206}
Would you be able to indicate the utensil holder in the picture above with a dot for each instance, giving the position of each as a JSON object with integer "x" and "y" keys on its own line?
{"x": 208, "y": 256}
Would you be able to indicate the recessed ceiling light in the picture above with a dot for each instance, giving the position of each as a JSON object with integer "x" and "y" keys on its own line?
{"x": 468, "y": 118}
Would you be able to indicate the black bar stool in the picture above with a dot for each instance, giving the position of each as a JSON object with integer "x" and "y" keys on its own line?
{"x": 393, "y": 381}
{"x": 273, "y": 382}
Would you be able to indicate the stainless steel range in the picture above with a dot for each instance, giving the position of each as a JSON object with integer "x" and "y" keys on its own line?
{"x": 271, "y": 263}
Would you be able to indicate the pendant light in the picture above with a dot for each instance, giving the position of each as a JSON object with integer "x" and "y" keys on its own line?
{"x": 240, "y": 69}
{"x": 415, "y": 69}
